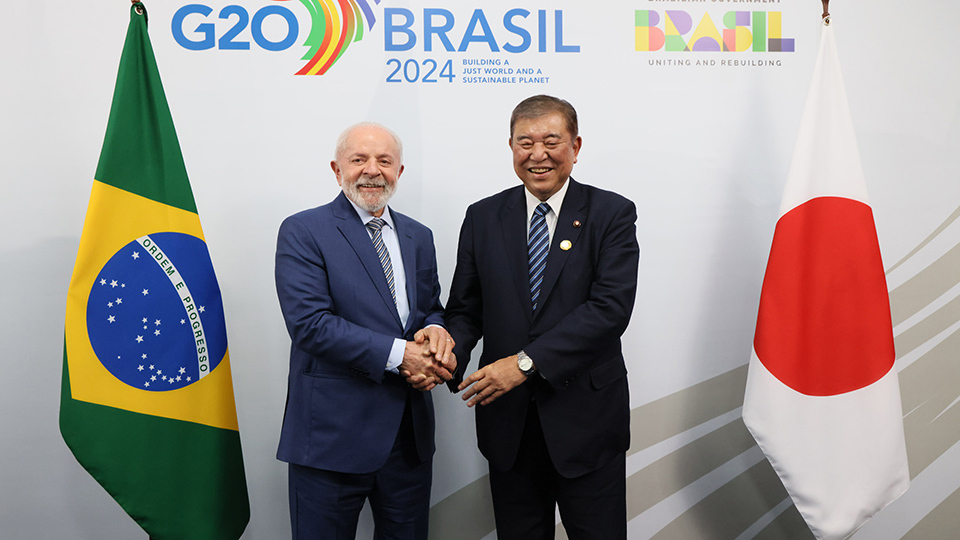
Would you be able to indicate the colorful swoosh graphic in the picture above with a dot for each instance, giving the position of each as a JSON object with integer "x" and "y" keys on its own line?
{"x": 334, "y": 25}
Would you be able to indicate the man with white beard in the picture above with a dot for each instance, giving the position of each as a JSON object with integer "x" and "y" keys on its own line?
{"x": 358, "y": 288}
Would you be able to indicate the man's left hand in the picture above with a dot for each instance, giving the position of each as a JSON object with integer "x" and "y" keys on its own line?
{"x": 435, "y": 342}
{"x": 492, "y": 381}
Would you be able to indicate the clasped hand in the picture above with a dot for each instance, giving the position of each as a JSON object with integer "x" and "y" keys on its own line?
{"x": 428, "y": 360}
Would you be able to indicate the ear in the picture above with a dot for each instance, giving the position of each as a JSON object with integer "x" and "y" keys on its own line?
{"x": 576, "y": 147}
{"x": 336, "y": 172}
{"x": 399, "y": 171}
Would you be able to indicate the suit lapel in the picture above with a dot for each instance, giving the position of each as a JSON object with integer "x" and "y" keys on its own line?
{"x": 353, "y": 230}
{"x": 574, "y": 209}
{"x": 408, "y": 251}
{"x": 513, "y": 222}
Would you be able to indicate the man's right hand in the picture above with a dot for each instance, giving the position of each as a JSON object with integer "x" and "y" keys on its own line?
{"x": 420, "y": 367}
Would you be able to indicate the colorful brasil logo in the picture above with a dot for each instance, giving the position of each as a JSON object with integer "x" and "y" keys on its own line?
{"x": 332, "y": 31}
{"x": 758, "y": 31}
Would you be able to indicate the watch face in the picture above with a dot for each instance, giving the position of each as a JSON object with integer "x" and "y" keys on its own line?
{"x": 525, "y": 363}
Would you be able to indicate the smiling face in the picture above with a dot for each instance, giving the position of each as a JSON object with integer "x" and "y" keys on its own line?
{"x": 368, "y": 167}
{"x": 544, "y": 152}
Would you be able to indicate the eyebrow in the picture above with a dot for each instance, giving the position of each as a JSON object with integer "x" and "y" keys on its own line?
{"x": 547, "y": 136}
{"x": 378, "y": 156}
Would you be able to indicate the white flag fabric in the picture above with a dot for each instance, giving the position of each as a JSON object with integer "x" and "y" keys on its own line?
{"x": 822, "y": 397}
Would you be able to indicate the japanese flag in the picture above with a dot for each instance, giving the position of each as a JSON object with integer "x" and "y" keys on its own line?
{"x": 822, "y": 397}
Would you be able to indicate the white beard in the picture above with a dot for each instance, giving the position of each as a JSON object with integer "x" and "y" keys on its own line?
{"x": 370, "y": 202}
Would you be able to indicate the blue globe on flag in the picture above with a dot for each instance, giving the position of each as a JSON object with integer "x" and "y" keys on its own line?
{"x": 155, "y": 316}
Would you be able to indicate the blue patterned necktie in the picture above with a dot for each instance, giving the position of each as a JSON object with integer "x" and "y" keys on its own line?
{"x": 375, "y": 225}
{"x": 537, "y": 246}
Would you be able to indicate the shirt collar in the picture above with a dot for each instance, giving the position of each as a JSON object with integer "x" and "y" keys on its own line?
{"x": 555, "y": 201}
{"x": 365, "y": 216}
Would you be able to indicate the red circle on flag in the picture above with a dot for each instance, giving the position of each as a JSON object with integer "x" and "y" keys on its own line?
{"x": 823, "y": 327}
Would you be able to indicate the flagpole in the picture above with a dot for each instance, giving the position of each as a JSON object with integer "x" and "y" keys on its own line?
{"x": 826, "y": 11}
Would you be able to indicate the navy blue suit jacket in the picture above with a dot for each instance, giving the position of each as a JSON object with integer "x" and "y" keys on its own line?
{"x": 586, "y": 299}
{"x": 343, "y": 411}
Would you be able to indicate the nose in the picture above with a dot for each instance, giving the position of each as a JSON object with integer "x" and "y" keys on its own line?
{"x": 538, "y": 152}
{"x": 370, "y": 168}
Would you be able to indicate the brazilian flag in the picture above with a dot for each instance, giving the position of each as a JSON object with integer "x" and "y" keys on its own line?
{"x": 147, "y": 396}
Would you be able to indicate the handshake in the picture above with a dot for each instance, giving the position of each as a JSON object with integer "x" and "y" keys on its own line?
{"x": 429, "y": 359}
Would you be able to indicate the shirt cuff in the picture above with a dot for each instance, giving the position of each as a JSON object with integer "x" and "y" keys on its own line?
{"x": 396, "y": 356}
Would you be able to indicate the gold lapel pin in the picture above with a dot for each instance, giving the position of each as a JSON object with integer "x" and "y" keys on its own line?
{"x": 576, "y": 224}
{"x": 565, "y": 245}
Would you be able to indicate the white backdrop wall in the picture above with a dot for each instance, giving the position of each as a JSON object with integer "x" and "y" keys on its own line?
{"x": 702, "y": 149}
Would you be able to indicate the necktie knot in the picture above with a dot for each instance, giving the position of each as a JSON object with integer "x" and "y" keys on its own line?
{"x": 541, "y": 210}
{"x": 375, "y": 224}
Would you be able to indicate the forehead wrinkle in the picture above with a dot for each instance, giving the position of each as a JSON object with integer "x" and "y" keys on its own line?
{"x": 363, "y": 153}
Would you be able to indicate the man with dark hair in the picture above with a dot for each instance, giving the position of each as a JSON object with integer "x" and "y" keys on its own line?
{"x": 358, "y": 288}
{"x": 546, "y": 274}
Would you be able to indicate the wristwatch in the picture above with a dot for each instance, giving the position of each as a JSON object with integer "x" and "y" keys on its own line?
{"x": 525, "y": 363}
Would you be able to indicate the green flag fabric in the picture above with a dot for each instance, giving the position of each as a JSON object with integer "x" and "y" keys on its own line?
{"x": 147, "y": 403}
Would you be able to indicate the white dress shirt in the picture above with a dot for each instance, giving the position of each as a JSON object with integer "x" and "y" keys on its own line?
{"x": 555, "y": 201}
{"x": 389, "y": 235}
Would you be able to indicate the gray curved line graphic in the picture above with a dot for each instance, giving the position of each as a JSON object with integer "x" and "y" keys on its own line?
{"x": 942, "y": 523}
{"x": 466, "y": 514}
{"x": 730, "y": 510}
{"x": 460, "y": 516}
{"x": 929, "y": 386}
{"x": 922, "y": 332}
{"x": 953, "y": 217}
{"x": 926, "y": 286}
{"x": 930, "y": 390}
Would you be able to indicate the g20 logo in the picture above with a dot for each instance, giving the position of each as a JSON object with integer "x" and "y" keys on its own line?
{"x": 206, "y": 31}
{"x": 333, "y": 27}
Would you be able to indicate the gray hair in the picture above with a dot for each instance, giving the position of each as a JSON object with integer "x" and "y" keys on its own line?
{"x": 537, "y": 106}
{"x": 342, "y": 139}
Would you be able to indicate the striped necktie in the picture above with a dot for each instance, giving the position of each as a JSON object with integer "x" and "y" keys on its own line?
{"x": 375, "y": 225}
{"x": 537, "y": 246}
